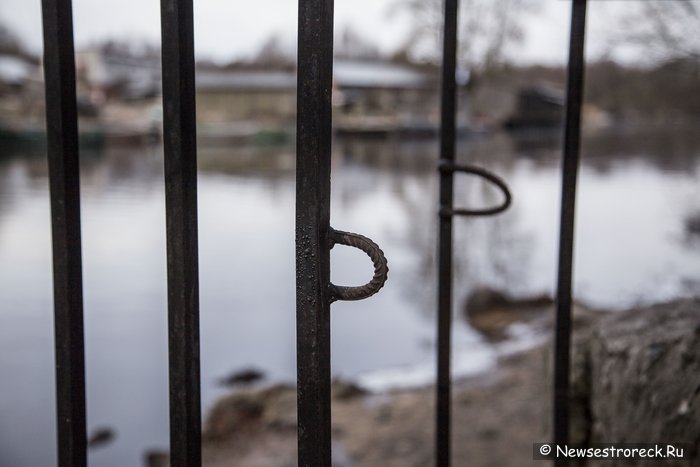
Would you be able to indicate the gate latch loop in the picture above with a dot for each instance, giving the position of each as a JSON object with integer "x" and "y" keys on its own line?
{"x": 450, "y": 167}
{"x": 381, "y": 268}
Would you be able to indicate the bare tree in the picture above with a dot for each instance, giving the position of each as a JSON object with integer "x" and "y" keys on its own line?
{"x": 353, "y": 45}
{"x": 487, "y": 28}
{"x": 129, "y": 47}
{"x": 275, "y": 51}
{"x": 11, "y": 44}
{"x": 662, "y": 29}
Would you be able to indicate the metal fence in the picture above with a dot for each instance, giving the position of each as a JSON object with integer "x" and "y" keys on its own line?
{"x": 314, "y": 236}
{"x": 447, "y": 168}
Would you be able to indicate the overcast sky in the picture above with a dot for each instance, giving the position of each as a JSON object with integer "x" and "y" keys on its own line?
{"x": 227, "y": 29}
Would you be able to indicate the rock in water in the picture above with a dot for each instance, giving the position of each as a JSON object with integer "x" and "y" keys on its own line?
{"x": 100, "y": 437}
{"x": 491, "y": 312}
{"x": 692, "y": 226}
{"x": 157, "y": 459}
{"x": 243, "y": 377}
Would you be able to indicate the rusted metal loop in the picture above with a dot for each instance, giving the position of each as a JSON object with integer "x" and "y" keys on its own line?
{"x": 381, "y": 268}
{"x": 488, "y": 176}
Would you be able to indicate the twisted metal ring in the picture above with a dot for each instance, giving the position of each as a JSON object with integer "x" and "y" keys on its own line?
{"x": 486, "y": 175}
{"x": 381, "y": 268}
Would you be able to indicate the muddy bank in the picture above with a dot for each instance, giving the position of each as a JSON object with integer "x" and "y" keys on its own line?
{"x": 496, "y": 417}
{"x": 635, "y": 378}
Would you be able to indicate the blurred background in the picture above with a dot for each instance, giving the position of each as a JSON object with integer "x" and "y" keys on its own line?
{"x": 638, "y": 224}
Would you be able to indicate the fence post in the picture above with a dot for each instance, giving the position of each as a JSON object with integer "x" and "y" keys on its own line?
{"x": 64, "y": 183}
{"x": 180, "y": 145}
{"x": 313, "y": 172}
{"x": 571, "y": 148}
{"x": 447, "y": 156}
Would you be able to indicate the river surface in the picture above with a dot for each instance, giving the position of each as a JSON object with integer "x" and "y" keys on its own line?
{"x": 637, "y": 188}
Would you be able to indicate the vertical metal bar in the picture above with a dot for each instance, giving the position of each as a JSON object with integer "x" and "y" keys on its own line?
{"x": 180, "y": 145}
{"x": 315, "y": 76}
{"x": 64, "y": 182}
{"x": 447, "y": 155}
{"x": 572, "y": 136}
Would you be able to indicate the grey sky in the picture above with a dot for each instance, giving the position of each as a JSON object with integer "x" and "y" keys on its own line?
{"x": 233, "y": 28}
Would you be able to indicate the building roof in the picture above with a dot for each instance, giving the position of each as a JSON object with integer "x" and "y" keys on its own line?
{"x": 346, "y": 74}
{"x": 376, "y": 74}
{"x": 111, "y": 67}
{"x": 14, "y": 69}
{"x": 245, "y": 80}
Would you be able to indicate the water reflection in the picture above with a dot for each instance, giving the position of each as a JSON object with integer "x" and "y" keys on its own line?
{"x": 636, "y": 190}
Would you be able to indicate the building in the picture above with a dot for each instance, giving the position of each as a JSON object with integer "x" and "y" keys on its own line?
{"x": 235, "y": 95}
{"x": 381, "y": 88}
{"x": 367, "y": 95}
{"x": 15, "y": 72}
{"x": 111, "y": 72}
{"x": 537, "y": 107}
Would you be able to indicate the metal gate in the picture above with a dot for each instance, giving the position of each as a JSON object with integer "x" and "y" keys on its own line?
{"x": 314, "y": 236}
{"x": 447, "y": 168}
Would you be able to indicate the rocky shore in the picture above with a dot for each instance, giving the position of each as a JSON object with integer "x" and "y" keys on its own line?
{"x": 636, "y": 378}
{"x": 495, "y": 417}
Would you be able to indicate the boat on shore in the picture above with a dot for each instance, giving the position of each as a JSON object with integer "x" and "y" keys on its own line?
{"x": 90, "y": 134}
{"x": 33, "y": 134}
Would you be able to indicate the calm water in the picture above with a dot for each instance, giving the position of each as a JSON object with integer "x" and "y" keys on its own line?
{"x": 636, "y": 189}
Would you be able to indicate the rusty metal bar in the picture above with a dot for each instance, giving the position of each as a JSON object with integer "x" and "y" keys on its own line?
{"x": 179, "y": 139}
{"x": 313, "y": 175}
{"x": 64, "y": 183}
{"x": 571, "y": 148}
{"x": 447, "y": 156}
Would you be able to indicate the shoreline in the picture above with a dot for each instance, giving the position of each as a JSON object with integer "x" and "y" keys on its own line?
{"x": 497, "y": 415}
{"x": 257, "y": 427}
{"x": 385, "y": 418}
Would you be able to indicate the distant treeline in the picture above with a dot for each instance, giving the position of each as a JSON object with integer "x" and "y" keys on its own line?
{"x": 670, "y": 90}
{"x": 667, "y": 91}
